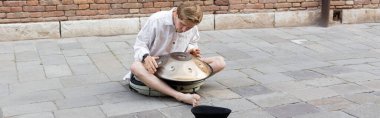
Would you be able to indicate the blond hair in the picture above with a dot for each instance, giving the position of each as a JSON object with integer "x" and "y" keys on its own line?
{"x": 190, "y": 12}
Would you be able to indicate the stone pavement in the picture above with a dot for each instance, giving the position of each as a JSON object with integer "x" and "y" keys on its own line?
{"x": 301, "y": 72}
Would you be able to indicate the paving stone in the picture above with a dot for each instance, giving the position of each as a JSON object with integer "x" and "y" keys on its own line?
{"x": 29, "y": 87}
{"x": 247, "y": 91}
{"x": 332, "y": 103}
{"x": 8, "y": 77}
{"x": 377, "y": 64}
{"x": 84, "y": 69}
{"x": 77, "y": 60}
{"x": 251, "y": 113}
{"x": 177, "y": 112}
{"x": 212, "y": 85}
{"x": 373, "y": 84}
{"x": 95, "y": 89}
{"x": 332, "y": 70}
{"x": 364, "y": 110}
{"x": 287, "y": 86}
{"x": 28, "y": 108}
{"x": 291, "y": 110}
{"x": 80, "y": 80}
{"x": 304, "y": 65}
{"x": 219, "y": 94}
{"x": 7, "y": 57}
{"x": 4, "y": 90}
{"x": 48, "y": 47}
{"x": 27, "y": 98}
{"x": 273, "y": 99}
{"x": 303, "y": 74}
{"x": 121, "y": 108}
{"x": 53, "y": 71}
{"x": 313, "y": 93}
{"x": 229, "y": 74}
{"x": 235, "y": 104}
{"x": 77, "y": 102}
{"x": 153, "y": 113}
{"x": 272, "y": 78}
{"x": 74, "y": 52}
{"x": 131, "y": 115}
{"x": 349, "y": 88}
{"x": 354, "y": 61}
{"x": 36, "y": 115}
{"x": 69, "y": 44}
{"x": 333, "y": 114}
{"x": 357, "y": 76}
{"x": 251, "y": 72}
{"x": 362, "y": 67}
{"x": 117, "y": 97}
{"x": 6, "y": 48}
{"x": 83, "y": 112}
{"x": 236, "y": 82}
{"x": 93, "y": 45}
{"x": 363, "y": 98}
{"x": 321, "y": 82}
{"x": 53, "y": 60}
{"x": 9, "y": 66}
{"x": 27, "y": 56}
{"x": 30, "y": 71}
{"x": 108, "y": 64}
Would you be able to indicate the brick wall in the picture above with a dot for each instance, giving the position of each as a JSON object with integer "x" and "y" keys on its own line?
{"x": 16, "y": 11}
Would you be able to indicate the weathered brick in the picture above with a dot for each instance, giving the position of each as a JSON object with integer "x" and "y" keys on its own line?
{"x": 14, "y": 3}
{"x": 67, "y": 7}
{"x": 134, "y": 11}
{"x": 149, "y": 10}
{"x": 211, "y": 8}
{"x": 255, "y": 6}
{"x": 83, "y": 6}
{"x": 86, "y": 12}
{"x": 223, "y": 8}
{"x": 5, "y": 9}
{"x": 295, "y": 0}
{"x": 83, "y": 1}
{"x": 281, "y": 1}
{"x": 116, "y": 1}
{"x": 16, "y": 9}
{"x": 253, "y": 1}
{"x": 237, "y": 6}
{"x": 176, "y": 4}
{"x": 103, "y": 12}
{"x": 232, "y": 2}
{"x": 147, "y": 4}
{"x": 33, "y": 8}
{"x": 283, "y": 5}
{"x": 35, "y": 14}
{"x": 50, "y": 2}
{"x": 50, "y": 8}
{"x": 70, "y": 13}
{"x": 1, "y": 3}
{"x": 267, "y": 1}
{"x": 208, "y": 2}
{"x": 119, "y": 11}
{"x": 31, "y": 2}
{"x": 310, "y": 4}
{"x": 53, "y": 13}
{"x": 18, "y": 15}
{"x": 337, "y": 2}
{"x": 375, "y": 1}
{"x": 67, "y": 2}
{"x": 100, "y": 6}
{"x": 296, "y": 4}
{"x": 132, "y": 1}
{"x": 132, "y": 5}
{"x": 100, "y": 1}
{"x": 221, "y": 2}
{"x": 2, "y": 15}
{"x": 116, "y": 6}
{"x": 162, "y": 4}
{"x": 269, "y": 6}
{"x": 244, "y": 1}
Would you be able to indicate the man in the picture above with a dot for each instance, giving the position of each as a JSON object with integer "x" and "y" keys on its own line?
{"x": 166, "y": 32}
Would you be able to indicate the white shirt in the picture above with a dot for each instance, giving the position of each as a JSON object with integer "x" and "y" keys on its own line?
{"x": 159, "y": 37}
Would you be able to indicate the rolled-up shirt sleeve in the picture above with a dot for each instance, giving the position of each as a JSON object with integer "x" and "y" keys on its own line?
{"x": 194, "y": 40}
{"x": 144, "y": 39}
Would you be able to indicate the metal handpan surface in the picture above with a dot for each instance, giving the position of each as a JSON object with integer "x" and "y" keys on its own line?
{"x": 182, "y": 67}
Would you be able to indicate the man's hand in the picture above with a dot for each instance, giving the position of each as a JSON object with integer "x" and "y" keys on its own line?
{"x": 195, "y": 52}
{"x": 150, "y": 64}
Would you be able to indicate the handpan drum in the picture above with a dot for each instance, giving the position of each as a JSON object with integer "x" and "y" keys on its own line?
{"x": 182, "y": 68}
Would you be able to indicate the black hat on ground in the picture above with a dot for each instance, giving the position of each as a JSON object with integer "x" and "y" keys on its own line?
{"x": 204, "y": 111}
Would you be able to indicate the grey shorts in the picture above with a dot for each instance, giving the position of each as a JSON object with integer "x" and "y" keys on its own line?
{"x": 139, "y": 87}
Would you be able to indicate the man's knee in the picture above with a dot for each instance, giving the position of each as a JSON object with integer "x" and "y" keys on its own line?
{"x": 220, "y": 62}
{"x": 136, "y": 68}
